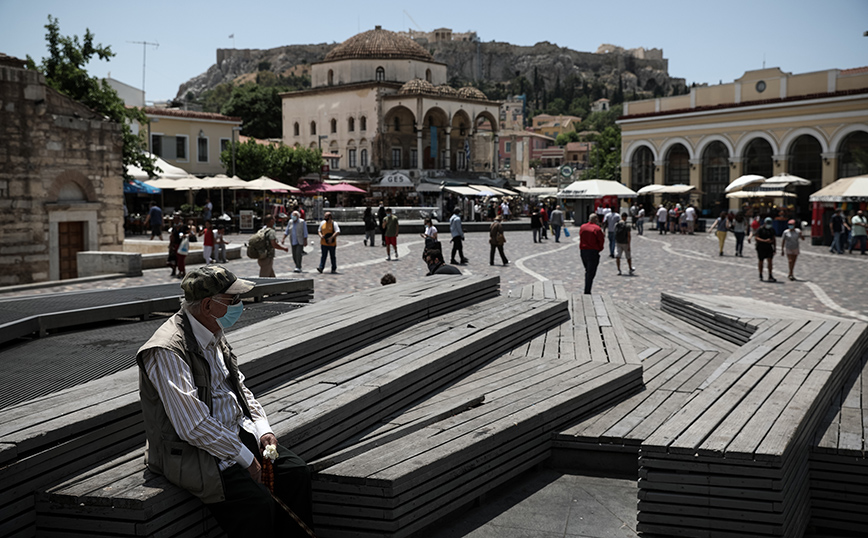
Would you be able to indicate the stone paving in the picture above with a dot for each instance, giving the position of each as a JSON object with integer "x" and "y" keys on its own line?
{"x": 827, "y": 283}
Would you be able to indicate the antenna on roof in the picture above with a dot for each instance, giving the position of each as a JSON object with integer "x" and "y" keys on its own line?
{"x": 764, "y": 60}
{"x": 144, "y": 45}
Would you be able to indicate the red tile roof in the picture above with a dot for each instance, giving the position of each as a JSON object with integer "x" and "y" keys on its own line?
{"x": 178, "y": 113}
{"x": 855, "y": 71}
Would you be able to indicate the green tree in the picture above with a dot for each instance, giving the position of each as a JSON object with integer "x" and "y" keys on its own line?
{"x": 564, "y": 138}
{"x": 605, "y": 158}
{"x": 258, "y": 108}
{"x": 64, "y": 70}
{"x": 213, "y": 100}
{"x": 278, "y": 162}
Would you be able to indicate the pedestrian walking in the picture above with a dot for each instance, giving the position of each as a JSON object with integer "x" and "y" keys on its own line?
{"x": 535, "y": 225}
{"x": 557, "y": 222}
{"x": 661, "y": 219}
{"x": 296, "y": 231}
{"x": 207, "y": 235}
{"x": 370, "y": 227}
{"x": 457, "y": 231}
{"x": 544, "y": 220}
{"x": 790, "y": 245}
{"x": 206, "y": 432}
{"x": 155, "y": 221}
{"x": 765, "y": 247}
{"x": 640, "y": 220}
{"x": 739, "y": 229}
{"x": 622, "y": 243}
{"x": 390, "y": 225}
{"x": 839, "y": 227}
{"x": 381, "y": 214}
{"x": 328, "y": 231}
{"x": 690, "y": 217}
{"x": 858, "y": 226}
{"x": 220, "y": 243}
{"x": 182, "y": 247}
{"x": 496, "y": 239}
{"x": 504, "y": 210}
{"x": 720, "y": 226}
{"x": 612, "y": 218}
{"x": 174, "y": 243}
{"x": 207, "y": 209}
{"x": 591, "y": 243}
{"x": 266, "y": 263}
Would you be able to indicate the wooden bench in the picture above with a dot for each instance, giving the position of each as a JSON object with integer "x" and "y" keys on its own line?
{"x": 49, "y": 439}
{"x": 734, "y": 459}
{"x": 312, "y": 413}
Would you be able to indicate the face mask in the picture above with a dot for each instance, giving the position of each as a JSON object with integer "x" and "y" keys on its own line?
{"x": 791, "y": 226}
{"x": 294, "y": 218}
{"x": 768, "y": 225}
{"x": 233, "y": 312}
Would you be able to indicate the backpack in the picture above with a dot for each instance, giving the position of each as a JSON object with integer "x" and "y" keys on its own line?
{"x": 257, "y": 246}
{"x": 621, "y": 232}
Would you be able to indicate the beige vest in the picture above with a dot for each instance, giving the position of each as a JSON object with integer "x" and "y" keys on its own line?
{"x": 184, "y": 465}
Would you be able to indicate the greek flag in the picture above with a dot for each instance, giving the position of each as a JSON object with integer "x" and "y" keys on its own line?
{"x": 232, "y": 36}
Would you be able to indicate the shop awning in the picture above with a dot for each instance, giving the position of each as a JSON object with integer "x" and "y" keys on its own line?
{"x": 761, "y": 194}
{"x": 847, "y": 189}
{"x": 427, "y": 187}
{"x": 396, "y": 179}
{"x": 591, "y": 189}
{"x": 463, "y": 191}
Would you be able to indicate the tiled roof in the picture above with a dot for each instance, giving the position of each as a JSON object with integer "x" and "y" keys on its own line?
{"x": 379, "y": 44}
{"x": 855, "y": 71}
{"x": 178, "y": 113}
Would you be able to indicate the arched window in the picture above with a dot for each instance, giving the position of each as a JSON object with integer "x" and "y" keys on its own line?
{"x": 758, "y": 158}
{"x": 677, "y": 166}
{"x": 313, "y": 128}
{"x": 334, "y": 123}
{"x": 381, "y": 74}
{"x": 805, "y": 159}
{"x": 851, "y": 147}
{"x": 715, "y": 176}
{"x": 331, "y": 77}
{"x": 397, "y": 124}
{"x": 428, "y": 75}
{"x": 363, "y": 124}
{"x": 295, "y": 129}
{"x": 351, "y": 125}
{"x": 363, "y": 158}
{"x": 642, "y": 168}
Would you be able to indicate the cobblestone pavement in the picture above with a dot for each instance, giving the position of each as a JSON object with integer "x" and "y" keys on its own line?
{"x": 827, "y": 283}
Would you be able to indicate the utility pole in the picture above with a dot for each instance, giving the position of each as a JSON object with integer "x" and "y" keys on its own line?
{"x": 144, "y": 45}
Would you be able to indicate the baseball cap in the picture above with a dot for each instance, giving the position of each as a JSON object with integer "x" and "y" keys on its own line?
{"x": 768, "y": 220}
{"x": 791, "y": 221}
{"x": 212, "y": 280}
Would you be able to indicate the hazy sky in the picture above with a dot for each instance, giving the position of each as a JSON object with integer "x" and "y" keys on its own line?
{"x": 704, "y": 41}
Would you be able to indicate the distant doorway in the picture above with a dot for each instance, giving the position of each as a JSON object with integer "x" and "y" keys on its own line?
{"x": 70, "y": 237}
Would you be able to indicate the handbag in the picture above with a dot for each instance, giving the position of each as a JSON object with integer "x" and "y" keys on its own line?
{"x": 566, "y": 232}
{"x": 184, "y": 247}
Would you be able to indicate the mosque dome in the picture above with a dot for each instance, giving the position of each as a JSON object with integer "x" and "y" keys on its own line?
{"x": 446, "y": 89}
{"x": 469, "y": 92}
{"x": 379, "y": 44}
{"x": 417, "y": 85}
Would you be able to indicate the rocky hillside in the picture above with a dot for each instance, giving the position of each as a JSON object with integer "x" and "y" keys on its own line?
{"x": 469, "y": 61}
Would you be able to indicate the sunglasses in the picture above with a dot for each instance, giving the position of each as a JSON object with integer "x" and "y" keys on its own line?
{"x": 235, "y": 300}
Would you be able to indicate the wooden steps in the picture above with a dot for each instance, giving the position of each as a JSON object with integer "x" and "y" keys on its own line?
{"x": 839, "y": 461}
{"x": 54, "y": 437}
{"x": 734, "y": 459}
{"x": 313, "y": 412}
{"x": 403, "y": 485}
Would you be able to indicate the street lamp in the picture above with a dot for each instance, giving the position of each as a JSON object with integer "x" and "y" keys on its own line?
{"x": 234, "y": 129}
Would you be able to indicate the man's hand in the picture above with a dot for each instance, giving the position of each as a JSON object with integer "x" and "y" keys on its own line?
{"x": 268, "y": 439}
{"x": 255, "y": 471}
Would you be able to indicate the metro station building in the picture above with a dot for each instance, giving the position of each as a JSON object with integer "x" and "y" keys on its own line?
{"x": 767, "y": 122}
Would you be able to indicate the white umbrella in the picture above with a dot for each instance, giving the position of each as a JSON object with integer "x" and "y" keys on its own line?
{"x": 780, "y": 181}
{"x": 167, "y": 170}
{"x": 189, "y": 183}
{"x": 846, "y": 189}
{"x": 744, "y": 181}
{"x": 267, "y": 184}
{"x": 590, "y": 189}
{"x": 761, "y": 194}
{"x": 222, "y": 181}
{"x": 649, "y": 189}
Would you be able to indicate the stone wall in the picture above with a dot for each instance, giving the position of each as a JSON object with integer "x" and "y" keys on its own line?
{"x": 59, "y": 161}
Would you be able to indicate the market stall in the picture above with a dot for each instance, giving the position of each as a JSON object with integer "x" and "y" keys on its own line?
{"x": 849, "y": 194}
{"x": 581, "y": 197}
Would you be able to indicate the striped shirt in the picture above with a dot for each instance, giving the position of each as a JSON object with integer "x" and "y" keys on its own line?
{"x": 215, "y": 433}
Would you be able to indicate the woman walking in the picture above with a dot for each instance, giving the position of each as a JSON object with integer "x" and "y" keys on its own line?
{"x": 739, "y": 228}
{"x": 721, "y": 225}
{"x": 496, "y": 240}
{"x": 790, "y": 245}
{"x": 536, "y": 225}
{"x": 370, "y": 227}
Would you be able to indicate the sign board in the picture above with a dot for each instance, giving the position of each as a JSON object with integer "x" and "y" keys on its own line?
{"x": 246, "y": 219}
{"x": 396, "y": 179}
{"x": 324, "y": 169}
{"x": 566, "y": 170}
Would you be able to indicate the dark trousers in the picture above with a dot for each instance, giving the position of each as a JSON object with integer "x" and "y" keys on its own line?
{"x": 739, "y": 242}
{"x": 328, "y": 251}
{"x": 590, "y": 259}
{"x": 249, "y": 509}
{"x": 458, "y": 246}
{"x": 498, "y": 248}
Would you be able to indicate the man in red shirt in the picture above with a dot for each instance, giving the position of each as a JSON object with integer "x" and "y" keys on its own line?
{"x": 591, "y": 242}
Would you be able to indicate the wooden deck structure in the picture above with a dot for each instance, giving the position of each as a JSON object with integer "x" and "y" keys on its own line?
{"x": 740, "y": 418}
